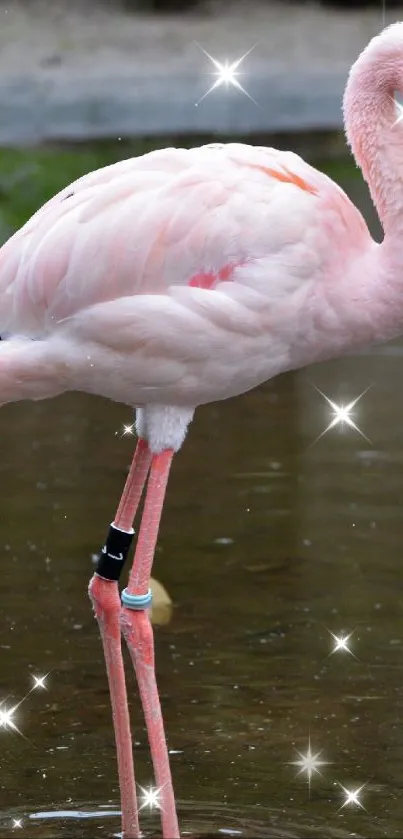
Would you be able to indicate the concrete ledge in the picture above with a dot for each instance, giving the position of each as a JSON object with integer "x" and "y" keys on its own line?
{"x": 87, "y": 70}
{"x": 34, "y": 111}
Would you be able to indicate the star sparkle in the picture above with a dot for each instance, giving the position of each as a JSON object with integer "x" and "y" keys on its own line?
{"x": 342, "y": 415}
{"x": 7, "y": 718}
{"x": 309, "y": 763}
{"x": 39, "y": 682}
{"x": 341, "y": 643}
{"x": 352, "y": 797}
{"x": 17, "y": 823}
{"x": 151, "y": 798}
{"x": 226, "y": 74}
{"x": 7, "y": 714}
{"x": 128, "y": 430}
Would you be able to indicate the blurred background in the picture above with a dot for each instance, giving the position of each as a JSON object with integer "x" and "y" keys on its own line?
{"x": 271, "y": 539}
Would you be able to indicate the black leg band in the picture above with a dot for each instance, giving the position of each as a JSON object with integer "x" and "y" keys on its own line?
{"x": 114, "y": 553}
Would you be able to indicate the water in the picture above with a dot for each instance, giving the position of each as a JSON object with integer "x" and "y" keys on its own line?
{"x": 268, "y": 544}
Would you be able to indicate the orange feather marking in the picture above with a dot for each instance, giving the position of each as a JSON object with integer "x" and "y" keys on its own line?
{"x": 286, "y": 177}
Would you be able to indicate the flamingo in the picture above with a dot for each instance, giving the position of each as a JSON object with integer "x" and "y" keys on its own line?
{"x": 187, "y": 276}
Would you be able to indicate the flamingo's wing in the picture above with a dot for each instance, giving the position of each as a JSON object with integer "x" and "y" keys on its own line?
{"x": 199, "y": 217}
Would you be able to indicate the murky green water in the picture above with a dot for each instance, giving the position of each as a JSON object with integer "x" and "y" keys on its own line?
{"x": 268, "y": 544}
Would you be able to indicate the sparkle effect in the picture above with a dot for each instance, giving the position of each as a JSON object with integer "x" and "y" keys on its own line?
{"x": 7, "y": 715}
{"x": 151, "y": 798}
{"x": 17, "y": 823}
{"x": 39, "y": 682}
{"x": 309, "y": 763}
{"x": 226, "y": 74}
{"x": 352, "y": 797}
{"x": 341, "y": 644}
{"x": 6, "y": 718}
{"x": 342, "y": 415}
{"x": 128, "y": 430}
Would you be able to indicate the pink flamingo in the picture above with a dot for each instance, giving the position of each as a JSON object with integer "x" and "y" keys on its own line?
{"x": 187, "y": 276}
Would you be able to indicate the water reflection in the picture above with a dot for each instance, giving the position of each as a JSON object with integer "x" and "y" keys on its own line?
{"x": 268, "y": 545}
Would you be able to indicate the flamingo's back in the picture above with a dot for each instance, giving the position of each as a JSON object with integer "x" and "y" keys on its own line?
{"x": 172, "y": 217}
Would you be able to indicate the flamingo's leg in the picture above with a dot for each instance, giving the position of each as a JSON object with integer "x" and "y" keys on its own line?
{"x": 104, "y": 593}
{"x": 138, "y": 632}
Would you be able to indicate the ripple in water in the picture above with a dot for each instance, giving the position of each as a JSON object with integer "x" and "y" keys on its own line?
{"x": 204, "y": 820}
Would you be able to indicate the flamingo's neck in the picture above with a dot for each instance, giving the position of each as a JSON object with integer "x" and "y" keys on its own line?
{"x": 374, "y": 124}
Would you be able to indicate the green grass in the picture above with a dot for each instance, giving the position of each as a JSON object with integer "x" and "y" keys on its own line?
{"x": 29, "y": 177}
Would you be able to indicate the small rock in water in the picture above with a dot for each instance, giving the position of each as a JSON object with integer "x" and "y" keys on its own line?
{"x": 161, "y": 609}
